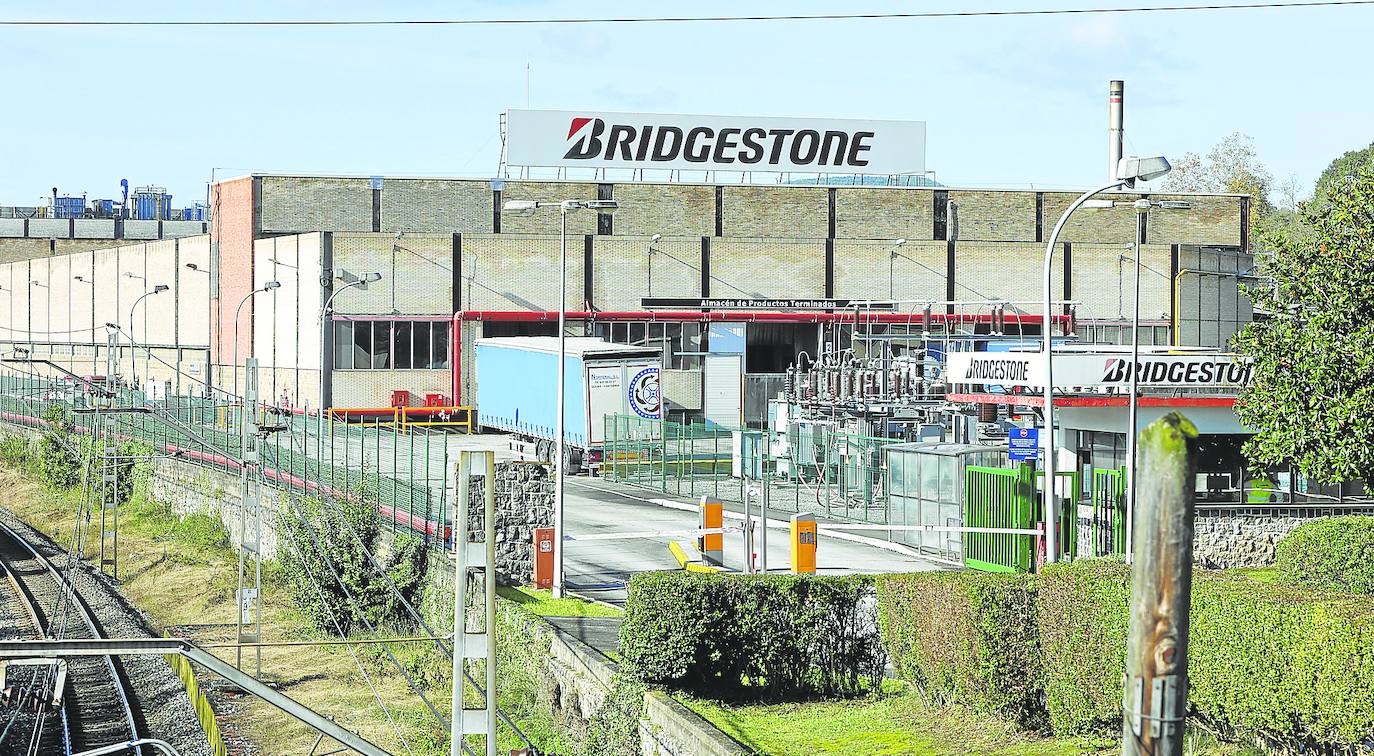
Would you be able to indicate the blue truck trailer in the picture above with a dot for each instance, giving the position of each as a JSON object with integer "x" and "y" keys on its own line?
{"x": 517, "y": 379}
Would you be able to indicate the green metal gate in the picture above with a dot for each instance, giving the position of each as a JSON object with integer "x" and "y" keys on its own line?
{"x": 999, "y": 498}
{"x": 1109, "y": 512}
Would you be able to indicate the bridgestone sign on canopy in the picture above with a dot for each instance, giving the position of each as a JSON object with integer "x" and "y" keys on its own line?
{"x": 1095, "y": 370}
{"x": 591, "y": 139}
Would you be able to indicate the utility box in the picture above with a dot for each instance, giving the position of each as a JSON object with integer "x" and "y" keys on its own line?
{"x": 543, "y": 557}
{"x": 400, "y": 398}
{"x": 436, "y": 400}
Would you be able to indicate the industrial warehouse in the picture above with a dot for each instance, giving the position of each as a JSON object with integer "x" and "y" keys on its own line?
{"x": 374, "y": 413}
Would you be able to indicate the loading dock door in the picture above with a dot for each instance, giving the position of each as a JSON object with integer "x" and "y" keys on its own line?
{"x": 724, "y": 389}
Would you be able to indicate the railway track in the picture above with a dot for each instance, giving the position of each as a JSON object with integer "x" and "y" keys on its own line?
{"x": 96, "y": 709}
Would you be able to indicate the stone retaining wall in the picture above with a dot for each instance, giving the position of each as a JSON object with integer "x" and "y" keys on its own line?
{"x": 524, "y": 501}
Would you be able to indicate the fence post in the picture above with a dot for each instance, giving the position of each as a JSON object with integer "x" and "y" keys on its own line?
{"x": 1155, "y": 696}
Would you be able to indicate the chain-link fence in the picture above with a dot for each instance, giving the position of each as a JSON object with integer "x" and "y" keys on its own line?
{"x": 401, "y": 471}
{"x": 812, "y": 467}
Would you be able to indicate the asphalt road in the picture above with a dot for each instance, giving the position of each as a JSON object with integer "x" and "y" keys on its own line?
{"x": 600, "y": 568}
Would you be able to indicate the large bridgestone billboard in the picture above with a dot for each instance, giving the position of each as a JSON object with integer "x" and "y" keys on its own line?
{"x": 591, "y": 139}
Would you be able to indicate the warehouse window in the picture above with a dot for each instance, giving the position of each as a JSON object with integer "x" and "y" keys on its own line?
{"x": 682, "y": 343}
{"x": 391, "y": 344}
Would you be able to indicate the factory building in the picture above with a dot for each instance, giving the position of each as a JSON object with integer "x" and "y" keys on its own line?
{"x": 446, "y": 247}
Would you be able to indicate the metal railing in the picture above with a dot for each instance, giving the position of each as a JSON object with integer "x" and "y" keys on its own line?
{"x": 403, "y": 473}
{"x": 811, "y": 468}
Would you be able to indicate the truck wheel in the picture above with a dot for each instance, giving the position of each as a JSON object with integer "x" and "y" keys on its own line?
{"x": 572, "y": 458}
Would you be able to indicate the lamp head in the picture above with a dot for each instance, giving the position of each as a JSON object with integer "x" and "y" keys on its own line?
{"x": 160, "y": 288}
{"x": 520, "y": 207}
{"x": 899, "y": 242}
{"x": 371, "y": 277}
{"x": 193, "y": 266}
{"x": 271, "y": 285}
{"x": 655, "y": 239}
{"x": 1133, "y": 169}
{"x": 601, "y": 206}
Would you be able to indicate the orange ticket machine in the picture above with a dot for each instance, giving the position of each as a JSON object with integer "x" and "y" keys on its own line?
{"x": 543, "y": 557}
{"x": 712, "y": 545}
{"x": 803, "y": 543}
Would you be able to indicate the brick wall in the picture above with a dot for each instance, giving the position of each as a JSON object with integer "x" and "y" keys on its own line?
{"x": 231, "y": 251}
{"x": 295, "y": 204}
{"x": 789, "y": 212}
{"x": 879, "y": 213}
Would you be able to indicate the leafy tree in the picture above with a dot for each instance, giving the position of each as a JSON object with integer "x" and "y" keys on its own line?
{"x": 1231, "y": 166}
{"x": 1312, "y": 399}
{"x": 1348, "y": 164}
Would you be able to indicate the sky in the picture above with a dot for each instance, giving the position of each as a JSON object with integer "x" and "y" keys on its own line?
{"x": 1009, "y": 102}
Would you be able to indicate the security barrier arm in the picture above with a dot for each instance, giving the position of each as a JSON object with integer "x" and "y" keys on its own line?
{"x": 162, "y": 646}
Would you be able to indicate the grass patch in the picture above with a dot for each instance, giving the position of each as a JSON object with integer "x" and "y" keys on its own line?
{"x": 542, "y": 603}
{"x": 898, "y": 720}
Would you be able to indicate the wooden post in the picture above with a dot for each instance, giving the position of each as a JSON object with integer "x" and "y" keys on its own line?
{"x": 1155, "y": 699}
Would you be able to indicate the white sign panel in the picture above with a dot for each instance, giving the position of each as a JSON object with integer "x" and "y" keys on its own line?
{"x": 1098, "y": 370}
{"x": 592, "y": 139}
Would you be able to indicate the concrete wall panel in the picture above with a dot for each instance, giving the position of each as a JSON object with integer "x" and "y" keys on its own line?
{"x": 94, "y": 228}
{"x": 11, "y": 227}
{"x": 1103, "y": 281}
{"x": 49, "y": 227}
{"x": 775, "y": 211}
{"x": 767, "y": 268}
{"x": 883, "y": 213}
{"x": 1008, "y": 271}
{"x": 193, "y": 292}
{"x": 510, "y": 272}
{"x": 1210, "y": 220}
{"x": 419, "y": 205}
{"x": 295, "y": 204}
{"x": 863, "y": 270}
{"x": 141, "y": 229}
{"x": 667, "y": 209}
{"x": 620, "y": 272}
{"x": 995, "y": 216}
{"x": 546, "y": 220}
{"x": 417, "y": 273}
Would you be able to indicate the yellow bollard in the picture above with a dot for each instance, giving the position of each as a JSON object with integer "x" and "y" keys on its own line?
{"x": 803, "y": 544}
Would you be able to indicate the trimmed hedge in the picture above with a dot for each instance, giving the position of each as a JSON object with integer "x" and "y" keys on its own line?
{"x": 968, "y": 637}
{"x": 759, "y": 636}
{"x": 1291, "y": 666}
{"x": 1335, "y": 552}
{"x": 1082, "y": 623}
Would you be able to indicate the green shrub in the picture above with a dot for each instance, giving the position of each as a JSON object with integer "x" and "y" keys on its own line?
{"x": 966, "y": 636}
{"x": 59, "y": 458}
{"x": 1292, "y": 666}
{"x": 1083, "y": 622}
{"x": 759, "y": 636}
{"x": 16, "y": 451}
{"x": 1336, "y": 552}
{"x": 1289, "y": 665}
{"x": 331, "y": 578}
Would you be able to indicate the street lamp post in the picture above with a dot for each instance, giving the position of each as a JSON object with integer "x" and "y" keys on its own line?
{"x": 270, "y": 285}
{"x": 527, "y": 207}
{"x": 158, "y": 289}
{"x": 1129, "y": 170}
{"x": 892, "y": 256}
{"x": 652, "y": 242}
{"x": 363, "y": 281}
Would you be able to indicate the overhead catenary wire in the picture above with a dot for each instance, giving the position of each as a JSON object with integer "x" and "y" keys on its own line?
{"x": 1095, "y": 10}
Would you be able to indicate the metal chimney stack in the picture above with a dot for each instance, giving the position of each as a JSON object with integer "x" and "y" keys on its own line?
{"x": 1115, "y": 95}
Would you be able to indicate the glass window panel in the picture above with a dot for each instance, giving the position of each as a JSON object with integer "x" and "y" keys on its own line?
{"x": 381, "y": 345}
{"x": 343, "y": 345}
{"x": 401, "y": 344}
{"x": 440, "y": 352}
{"x": 420, "y": 337}
{"x": 602, "y": 330}
{"x": 638, "y": 333}
{"x": 362, "y": 345}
